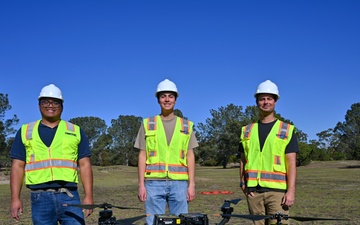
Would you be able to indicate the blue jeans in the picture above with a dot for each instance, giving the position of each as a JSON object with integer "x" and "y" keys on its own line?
{"x": 47, "y": 208}
{"x": 160, "y": 192}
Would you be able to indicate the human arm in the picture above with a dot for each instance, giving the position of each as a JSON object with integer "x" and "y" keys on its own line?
{"x": 289, "y": 197}
{"x": 242, "y": 175}
{"x": 141, "y": 176}
{"x": 86, "y": 176}
{"x": 16, "y": 180}
{"x": 190, "y": 157}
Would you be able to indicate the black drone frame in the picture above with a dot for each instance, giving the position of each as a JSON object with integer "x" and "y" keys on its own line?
{"x": 106, "y": 214}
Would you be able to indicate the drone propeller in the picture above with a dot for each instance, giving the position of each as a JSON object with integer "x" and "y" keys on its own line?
{"x": 249, "y": 217}
{"x": 302, "y": 219}
{"x": 103, "y": 206}
{"x": 228, "y": 202}
{"x": 129, "y": 221}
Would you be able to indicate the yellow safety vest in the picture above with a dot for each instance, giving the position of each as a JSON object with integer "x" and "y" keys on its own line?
{"x": 165, "y": 160}
{"x": 266, "y": 168}
{"x": 57, "y": 162}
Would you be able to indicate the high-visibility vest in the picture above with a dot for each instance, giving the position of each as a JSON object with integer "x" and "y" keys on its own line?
{"x": 163, "y": 160}
{"x": 57, "y": 162}
{"x": 266, "y": 168}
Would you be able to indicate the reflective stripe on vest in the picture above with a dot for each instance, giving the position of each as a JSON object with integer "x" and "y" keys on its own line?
{"x": 248, "y": 130}
{"x": 50, "y": 163}
{"x": 185, "y": 124}
{"x": 283, "y": 130}
{"x": 29, "y": 130}
{"x": 266, "y": 176}
{"x": 152, "y": 123}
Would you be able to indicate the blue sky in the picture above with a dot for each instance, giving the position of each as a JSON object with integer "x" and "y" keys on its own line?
{"x": 108, "y": 56}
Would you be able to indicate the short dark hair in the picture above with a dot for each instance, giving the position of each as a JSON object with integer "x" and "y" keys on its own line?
{"x": 274, "y": 96}
{"x": 161, "y": 92}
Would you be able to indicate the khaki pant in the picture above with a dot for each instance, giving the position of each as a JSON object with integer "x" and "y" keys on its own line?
{"x": 267, "y": 203}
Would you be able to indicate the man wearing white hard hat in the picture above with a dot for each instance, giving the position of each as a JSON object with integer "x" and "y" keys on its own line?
{"x": 48, "y": 153}
{"x": 166, "y": 163}
{"x": 268, "y": 149}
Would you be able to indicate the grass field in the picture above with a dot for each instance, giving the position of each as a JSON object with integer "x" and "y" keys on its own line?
{"x": 324, "y": 189}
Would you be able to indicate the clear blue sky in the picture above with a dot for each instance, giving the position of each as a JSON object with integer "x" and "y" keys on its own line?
{"x": 109, "y": 56}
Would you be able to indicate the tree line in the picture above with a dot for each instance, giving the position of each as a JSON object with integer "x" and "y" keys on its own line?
{"x": 218, "y": 137}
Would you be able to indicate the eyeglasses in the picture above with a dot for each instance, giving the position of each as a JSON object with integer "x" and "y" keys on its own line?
{"x": 47, "y": 103}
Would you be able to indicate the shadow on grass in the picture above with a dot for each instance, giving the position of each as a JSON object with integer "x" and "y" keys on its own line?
{"x": 350, "y": 167}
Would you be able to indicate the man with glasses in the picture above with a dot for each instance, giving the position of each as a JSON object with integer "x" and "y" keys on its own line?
{"x": 48, "y": 153}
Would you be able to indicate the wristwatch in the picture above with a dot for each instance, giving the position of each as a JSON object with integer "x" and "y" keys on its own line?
{"x": 242, "y": 184}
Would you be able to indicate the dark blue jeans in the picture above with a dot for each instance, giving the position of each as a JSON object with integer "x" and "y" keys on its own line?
{"x": 47, "y": 208}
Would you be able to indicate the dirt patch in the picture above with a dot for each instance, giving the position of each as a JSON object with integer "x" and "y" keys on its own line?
{"x": 4, "y": 181}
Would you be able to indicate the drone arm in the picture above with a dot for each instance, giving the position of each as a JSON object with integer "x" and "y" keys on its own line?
{"x": 224, "y": 221}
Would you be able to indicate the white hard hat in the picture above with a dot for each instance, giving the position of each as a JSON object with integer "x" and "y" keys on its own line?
{"x": 166, "y": 85}
{"x": 51, "y": 91}
{"x": 267, "y": 87}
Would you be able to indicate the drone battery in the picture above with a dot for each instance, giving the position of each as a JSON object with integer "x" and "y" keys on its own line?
{"x": 194, "y": 218}
{"x": 163, "y": 219}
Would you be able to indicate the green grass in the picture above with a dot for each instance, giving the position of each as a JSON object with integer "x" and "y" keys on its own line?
{"x": 324, "y": 189}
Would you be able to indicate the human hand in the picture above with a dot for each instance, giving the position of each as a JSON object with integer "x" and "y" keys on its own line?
{"x": 190, "y": 194}
{"x": 142, "y": 194}
{"x": 16, "y": 209}
{"x": 88, "y": 201}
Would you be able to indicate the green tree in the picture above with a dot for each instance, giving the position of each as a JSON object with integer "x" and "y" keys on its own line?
{"x": 219, "y": 136}
{"x": 178, "y": 113}
{"x": 123, "y": 132}
{"x": 349, "y": 133}
{"x": 101, "y": 150}
{"x": 93, "y": 127}
{"x": 6, "y": 130}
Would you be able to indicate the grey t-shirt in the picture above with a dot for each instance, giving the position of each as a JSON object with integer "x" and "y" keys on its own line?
{"x": 169, "y": 126}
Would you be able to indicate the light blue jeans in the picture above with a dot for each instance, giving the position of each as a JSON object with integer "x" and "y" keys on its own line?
{"x": 162, "y": 192}
{"x": 47, "y": 208}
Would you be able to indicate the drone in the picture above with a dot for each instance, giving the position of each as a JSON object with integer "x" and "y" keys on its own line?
{"x": 106, "y": 214}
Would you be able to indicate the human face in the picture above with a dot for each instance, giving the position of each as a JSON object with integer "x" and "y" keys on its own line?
{"x": 50, "y": 108}
{"x": 266, "y": 103}
{"x": 167, "y": 101}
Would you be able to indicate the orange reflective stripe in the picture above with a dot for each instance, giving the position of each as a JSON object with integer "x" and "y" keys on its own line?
{"x": 277, "y": 160}
{"x": 283, "y": 132}
{"x": 70, "y": 127}
{"x": 152, "y": 153}
{"x": 29, "y": 130}
{"x": 177, "y": 169}
{"x": 151, "y": 125}
{"x": 248, "y": 129}
{"x": 155, "y": 168}
{"x": 182, "y": 154}
{"x": 273, "y": 177}
{"x": 185, "y": 126}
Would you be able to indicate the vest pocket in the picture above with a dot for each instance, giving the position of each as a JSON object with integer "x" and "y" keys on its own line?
{"x": 150, "y": 141}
